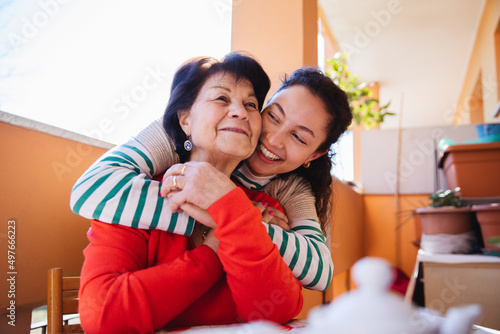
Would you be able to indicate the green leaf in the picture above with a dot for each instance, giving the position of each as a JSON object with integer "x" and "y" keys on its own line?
{"x": 366, "y": 110}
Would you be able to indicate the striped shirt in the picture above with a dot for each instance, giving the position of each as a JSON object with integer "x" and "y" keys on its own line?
{"x": 118, "y": 189}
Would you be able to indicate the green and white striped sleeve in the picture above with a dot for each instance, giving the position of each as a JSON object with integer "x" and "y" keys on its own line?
{"x": 118, "y": 189}
{"x": 303, "y": 247}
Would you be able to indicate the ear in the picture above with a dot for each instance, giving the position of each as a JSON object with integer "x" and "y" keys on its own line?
{"x": 185, "y": 121}
{"x": 315, "y": 155}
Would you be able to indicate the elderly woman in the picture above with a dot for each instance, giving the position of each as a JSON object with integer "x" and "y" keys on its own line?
{"x": 137, "y": 280}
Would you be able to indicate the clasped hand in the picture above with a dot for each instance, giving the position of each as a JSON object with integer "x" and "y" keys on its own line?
{"x": 194, "y": 186}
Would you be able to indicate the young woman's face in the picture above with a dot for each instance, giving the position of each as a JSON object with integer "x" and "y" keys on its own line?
{"x": 224, "y": 121}
{"x": 293, "y": 126}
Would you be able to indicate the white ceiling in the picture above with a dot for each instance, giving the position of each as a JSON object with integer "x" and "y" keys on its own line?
{"x": 418, "y": 50}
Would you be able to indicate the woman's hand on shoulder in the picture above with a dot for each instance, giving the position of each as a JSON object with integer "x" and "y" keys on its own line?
{"x": 272, "y": 216}
{"x": 194, "y": 182}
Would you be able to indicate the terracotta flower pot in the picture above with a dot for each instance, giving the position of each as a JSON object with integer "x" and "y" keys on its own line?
{"x": 475, "y": 168}
{"x": 445, "y": 220}
{"x": 488, "y": 216}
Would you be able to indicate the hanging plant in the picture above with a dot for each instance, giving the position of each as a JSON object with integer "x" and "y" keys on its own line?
{"x": 366, "y": 109}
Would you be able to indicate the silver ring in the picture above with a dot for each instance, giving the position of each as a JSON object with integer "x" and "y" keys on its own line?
{"x": 175, "y": 181}
{"x": 183, "y": 169}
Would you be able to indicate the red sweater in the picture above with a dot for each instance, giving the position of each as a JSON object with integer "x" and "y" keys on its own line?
{"x": 138, "y": 281}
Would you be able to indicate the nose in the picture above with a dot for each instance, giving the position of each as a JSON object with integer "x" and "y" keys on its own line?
{"x": 238, "y": 110}
{"x": 275, "y": 138}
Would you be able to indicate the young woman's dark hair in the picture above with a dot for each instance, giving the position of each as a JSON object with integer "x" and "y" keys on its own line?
{"x": 193, "y": 74}
{"x": 337, "y": 105}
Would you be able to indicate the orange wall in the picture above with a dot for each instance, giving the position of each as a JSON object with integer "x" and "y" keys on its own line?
{"x": 281, "y": 34}
{"x": 347, "y": 225}
{"x": 346, "y": 243}
{"x": 380, "y": 234}
{"x": 38, "y": 172}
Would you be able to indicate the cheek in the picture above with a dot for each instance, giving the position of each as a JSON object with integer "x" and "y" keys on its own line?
{"x": 265, "y": 122}
{"x": 256, "y": 126}
{"x": 293, "y": 157}
{"x": 298, "y": 156}
{"x": 266, "y": 127}
{"x": 203, "y": 134}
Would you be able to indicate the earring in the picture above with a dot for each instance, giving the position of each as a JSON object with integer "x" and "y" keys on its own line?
{"x": 306, "y": 164}
{"x": 188, "y": 145}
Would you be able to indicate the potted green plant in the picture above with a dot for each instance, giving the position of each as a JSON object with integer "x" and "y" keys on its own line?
{"x": 445, "y": 220}
{"x": 365, "y": 108}
{"x": 445, "y": 214}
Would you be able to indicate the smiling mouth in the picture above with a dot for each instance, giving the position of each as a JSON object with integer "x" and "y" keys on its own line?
{"x": 236, "y": 130}
{"x": 268, "y": 154}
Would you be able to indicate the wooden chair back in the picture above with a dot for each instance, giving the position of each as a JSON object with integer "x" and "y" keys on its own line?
{"x": 62, "y": 298}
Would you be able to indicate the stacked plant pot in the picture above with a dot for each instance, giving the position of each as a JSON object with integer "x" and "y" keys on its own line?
{"x": 488, "y": 216}
{"x": 446, "y": 226}
{"x": 475, "y": 168}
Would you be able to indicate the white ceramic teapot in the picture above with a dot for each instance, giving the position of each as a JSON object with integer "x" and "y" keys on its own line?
{"x": 373, "y": 309}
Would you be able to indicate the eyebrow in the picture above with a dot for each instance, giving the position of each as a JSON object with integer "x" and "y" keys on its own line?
{"x": 229, "y": 90}
{"x": 306, "y": 129}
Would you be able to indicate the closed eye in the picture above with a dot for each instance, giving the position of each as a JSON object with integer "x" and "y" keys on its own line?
{"x": 252, "y": 105}
{"x": 272, "y": 116}
{"x": 296, "y": 136}
{"x": 222, "y": 98}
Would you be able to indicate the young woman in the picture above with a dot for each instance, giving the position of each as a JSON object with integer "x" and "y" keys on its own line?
{"x": 292, "y": 163}
{"x": 138, "y": 281}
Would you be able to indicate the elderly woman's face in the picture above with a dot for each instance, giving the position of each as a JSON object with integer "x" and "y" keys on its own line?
{"x": 224, "y": 120}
